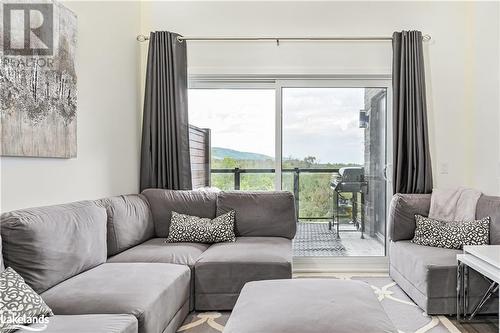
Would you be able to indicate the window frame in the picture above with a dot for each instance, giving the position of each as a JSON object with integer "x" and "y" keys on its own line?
{"x": 278, "y": 83}
{"x": 302, "y": 81}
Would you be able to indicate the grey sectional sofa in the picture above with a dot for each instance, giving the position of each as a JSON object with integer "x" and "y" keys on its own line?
{"x": 107, "y": 259}
{"x": 428, "y": 274}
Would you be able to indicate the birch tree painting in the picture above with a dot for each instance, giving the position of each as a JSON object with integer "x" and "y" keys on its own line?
{"x": 38, "y": 96}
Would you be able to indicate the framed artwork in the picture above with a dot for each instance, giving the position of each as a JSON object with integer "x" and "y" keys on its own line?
{"x": 38, "y": 104}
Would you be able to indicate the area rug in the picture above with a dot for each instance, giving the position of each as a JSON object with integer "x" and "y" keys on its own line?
{"x": 406, "y": 316}
{"x": 315, "y": 239}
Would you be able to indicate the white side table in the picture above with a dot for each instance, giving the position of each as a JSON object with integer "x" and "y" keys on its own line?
{"x": 484, "y": 259}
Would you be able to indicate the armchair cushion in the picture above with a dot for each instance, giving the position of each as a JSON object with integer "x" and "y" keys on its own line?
{"x": 489, "y": 206}
{"x": 429, "y": 276}
{"x": 404, "y": 207}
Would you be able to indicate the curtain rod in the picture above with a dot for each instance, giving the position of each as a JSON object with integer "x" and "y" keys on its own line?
{"x": 142, "y": 38}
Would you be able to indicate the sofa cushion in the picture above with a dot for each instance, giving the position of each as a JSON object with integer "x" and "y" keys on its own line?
{"x": 224, "y": 268}
{"x": 47, "y": 245}
{"x": 156, "y": 250}
{"x": 153, "y": 293}
{"x": 260, "y": 213}
{"x": 129, "y": 221}
{"x": 490, "y": 206}
{"x": 403, "y": 209}
{"x": 163, "y": 202}
{"x": 96, "y": 323}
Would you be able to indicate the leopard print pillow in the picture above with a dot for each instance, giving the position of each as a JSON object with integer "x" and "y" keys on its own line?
{"x": 451, "y": 235}
{"x": 187, "y": 228}
{"x": 19, "y": 304}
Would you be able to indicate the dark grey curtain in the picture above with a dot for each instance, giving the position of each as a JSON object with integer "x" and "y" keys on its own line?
{"x": 165, "y": 160}
{"x": 412, "y": 162}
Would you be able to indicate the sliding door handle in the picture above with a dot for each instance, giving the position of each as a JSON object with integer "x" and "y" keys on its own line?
{"x": 387, "y": 178}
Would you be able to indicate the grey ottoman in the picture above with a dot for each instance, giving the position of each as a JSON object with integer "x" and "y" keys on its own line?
{"x": 307, "y": 306}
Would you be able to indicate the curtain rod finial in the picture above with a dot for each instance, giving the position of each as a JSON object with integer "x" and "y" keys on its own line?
{"x": 426, "y": 38}
{"x": 141, "y": 38}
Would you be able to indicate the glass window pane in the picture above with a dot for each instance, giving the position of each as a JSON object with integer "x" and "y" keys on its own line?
{"x": 333, "y": 160}
{"x": 242, "y": 127}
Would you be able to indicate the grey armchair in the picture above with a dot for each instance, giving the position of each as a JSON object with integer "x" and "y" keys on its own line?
{"x": 428, "y": 274}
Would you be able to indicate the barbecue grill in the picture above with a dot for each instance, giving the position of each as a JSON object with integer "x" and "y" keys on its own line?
{"x": 349, "y": 180}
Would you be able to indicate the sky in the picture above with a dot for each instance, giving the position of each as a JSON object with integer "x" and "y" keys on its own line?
{"x": 319, "y": 122}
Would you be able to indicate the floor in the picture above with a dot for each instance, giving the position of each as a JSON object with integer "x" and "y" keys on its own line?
{"x": 481, "y": 324}
{"x": 315, "y": 239}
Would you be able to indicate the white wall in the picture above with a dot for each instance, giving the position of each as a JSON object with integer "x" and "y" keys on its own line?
{"x": 461, "y": 61}
{"x": 108, "y": 117}
{"x": 485, "y": 112}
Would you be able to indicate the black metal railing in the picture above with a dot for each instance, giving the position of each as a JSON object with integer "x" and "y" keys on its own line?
{"x": 296, "y": 180}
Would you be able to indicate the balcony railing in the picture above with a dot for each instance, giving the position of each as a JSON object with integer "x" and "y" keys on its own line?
{"x": 296, "y": 180}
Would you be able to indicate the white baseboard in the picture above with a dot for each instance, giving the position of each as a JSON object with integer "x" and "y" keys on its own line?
{"x": 340, "y": 265}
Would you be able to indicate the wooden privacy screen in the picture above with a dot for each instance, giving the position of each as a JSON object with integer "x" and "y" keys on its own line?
{"x": 199, "y": 147}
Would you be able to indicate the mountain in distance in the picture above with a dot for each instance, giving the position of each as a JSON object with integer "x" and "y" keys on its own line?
{"x": 219, "y": 153}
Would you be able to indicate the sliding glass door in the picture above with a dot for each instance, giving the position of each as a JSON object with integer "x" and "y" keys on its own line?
{"x": 323, "y": 140}
{"x": 333, "y": 158}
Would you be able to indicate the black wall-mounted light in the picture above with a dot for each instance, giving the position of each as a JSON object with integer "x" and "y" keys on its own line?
{"x": 364, "y": 118}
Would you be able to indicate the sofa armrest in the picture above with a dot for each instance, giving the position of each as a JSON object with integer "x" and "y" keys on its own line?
{"x": 404, "y": 207}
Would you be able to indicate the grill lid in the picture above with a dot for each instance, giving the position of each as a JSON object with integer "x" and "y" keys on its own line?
{"x": 350, "y": 179}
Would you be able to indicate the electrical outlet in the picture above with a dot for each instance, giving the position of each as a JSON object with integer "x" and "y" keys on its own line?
{"x": 443, "y": 168}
